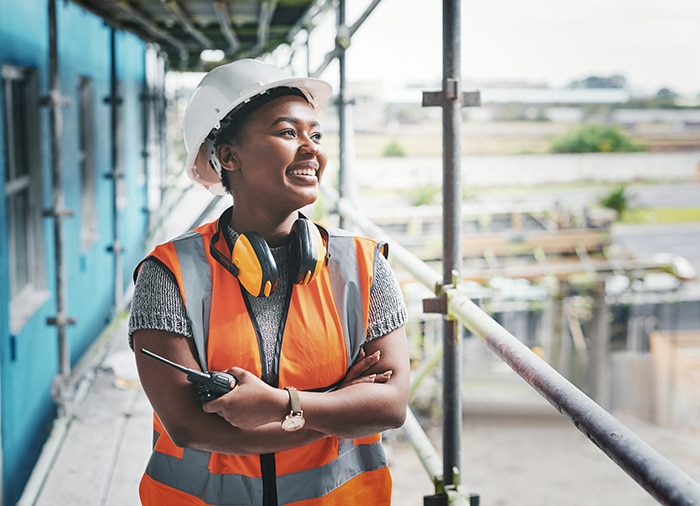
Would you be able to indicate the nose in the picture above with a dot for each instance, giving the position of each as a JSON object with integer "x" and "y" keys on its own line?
{"x": 308, "y": 145}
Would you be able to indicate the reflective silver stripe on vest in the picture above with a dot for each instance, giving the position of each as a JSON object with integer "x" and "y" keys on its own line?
{"x": 196, "y": 278}
{"x": 347, "y": 289}
{"x": 191, "y": 475}
{"x": 352, "y": 461}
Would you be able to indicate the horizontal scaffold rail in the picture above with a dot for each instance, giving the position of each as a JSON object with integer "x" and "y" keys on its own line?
{"x": 657, "y": 475}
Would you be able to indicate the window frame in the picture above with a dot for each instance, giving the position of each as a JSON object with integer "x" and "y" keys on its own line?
{"x": 19, "y": 88}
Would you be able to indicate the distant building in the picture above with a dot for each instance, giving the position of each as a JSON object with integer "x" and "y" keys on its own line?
{"x": 376, "y": 106}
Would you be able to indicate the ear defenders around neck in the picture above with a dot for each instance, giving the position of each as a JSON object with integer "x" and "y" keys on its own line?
{"x": 257, "y": 270}
{"x": 307, "y": 252}
{"x": 252, "y": 263}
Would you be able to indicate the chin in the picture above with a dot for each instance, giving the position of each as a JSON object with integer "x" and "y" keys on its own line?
{"x": 309, "y": 198}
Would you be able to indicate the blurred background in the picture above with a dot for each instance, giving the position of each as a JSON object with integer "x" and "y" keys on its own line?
{"x": 579, "y": 219}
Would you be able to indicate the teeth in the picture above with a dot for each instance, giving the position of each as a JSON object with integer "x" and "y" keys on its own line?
{"x": 303, "y": 172}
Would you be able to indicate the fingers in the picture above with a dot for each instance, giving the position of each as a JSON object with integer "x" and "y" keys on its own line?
{"x": 213, "y": 406}
{"x": 217, "y": 405}
{"x": 370, "y": 378}
{"x": 383, "y": 377}
{"x": 364, "y": 363}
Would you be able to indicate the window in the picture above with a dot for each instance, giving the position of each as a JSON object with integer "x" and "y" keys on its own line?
{"x": 86, "y": 159}
{"x": 23, "y": 193}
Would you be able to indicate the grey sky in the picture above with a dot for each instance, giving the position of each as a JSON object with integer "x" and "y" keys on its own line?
{"x": 652, "y": 43}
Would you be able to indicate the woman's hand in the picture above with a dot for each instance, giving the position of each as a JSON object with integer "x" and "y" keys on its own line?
{"x": 358, "y": 372}
{"x": 252, "y": 403}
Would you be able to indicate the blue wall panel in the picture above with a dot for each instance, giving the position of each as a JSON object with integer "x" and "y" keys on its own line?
{"x": 132, "y": 73}
{"x": 90, "y": 272}
{"x": 28, "y": 358}
{"x": 31, "y": 356}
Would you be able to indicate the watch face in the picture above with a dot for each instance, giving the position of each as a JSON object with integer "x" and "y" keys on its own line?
{"x": 292, "y": 423}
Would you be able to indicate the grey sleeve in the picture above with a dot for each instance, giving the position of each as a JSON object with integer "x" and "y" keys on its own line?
{"x": 387, "y": 309}
{"x": 157, "y": 303}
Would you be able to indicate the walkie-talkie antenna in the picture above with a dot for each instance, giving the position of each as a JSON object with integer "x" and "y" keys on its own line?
{"x": 210, "y": 385}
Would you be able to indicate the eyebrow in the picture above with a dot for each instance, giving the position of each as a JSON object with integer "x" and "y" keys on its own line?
{"x": 295, "y": 121}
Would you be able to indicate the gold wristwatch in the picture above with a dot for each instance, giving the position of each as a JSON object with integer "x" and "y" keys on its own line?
{"x": 295, "y": 419}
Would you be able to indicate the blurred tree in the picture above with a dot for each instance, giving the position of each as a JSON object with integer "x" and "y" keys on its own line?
{"x": 595, "y": 139}
{"x": 666, "y": 93}
{"x": 614, "y": 81}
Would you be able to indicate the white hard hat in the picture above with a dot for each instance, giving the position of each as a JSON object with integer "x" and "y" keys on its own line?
{"x": 218, "y": 93}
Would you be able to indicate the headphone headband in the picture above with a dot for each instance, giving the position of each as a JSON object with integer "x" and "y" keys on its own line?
{"x": 252, "y": 263}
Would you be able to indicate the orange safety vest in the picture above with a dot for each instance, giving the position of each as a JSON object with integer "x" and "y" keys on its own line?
{"x": 324, "y": 329}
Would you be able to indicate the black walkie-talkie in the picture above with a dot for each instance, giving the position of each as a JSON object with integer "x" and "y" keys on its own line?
{"x": 209, "y": 385}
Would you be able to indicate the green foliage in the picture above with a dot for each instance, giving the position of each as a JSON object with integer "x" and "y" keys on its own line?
{"x": 424, "y": 195}
{"x": 662, "y": 215}
{"x": 394, "y": 148}
{"x": 595, "y": 139}
{"x": 617, "y": 199}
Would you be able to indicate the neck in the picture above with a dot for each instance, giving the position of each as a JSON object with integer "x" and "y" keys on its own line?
{"x": 274, "y": 229}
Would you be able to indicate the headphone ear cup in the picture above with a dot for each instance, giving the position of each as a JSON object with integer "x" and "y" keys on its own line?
{"x": 257, "y": 270}
{"x": 307, "y": 252}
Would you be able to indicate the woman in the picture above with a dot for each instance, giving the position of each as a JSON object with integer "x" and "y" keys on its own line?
{"x": 309, "y": 321}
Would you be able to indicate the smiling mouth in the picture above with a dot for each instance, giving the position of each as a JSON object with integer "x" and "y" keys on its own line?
{"x": 306, "y": 172}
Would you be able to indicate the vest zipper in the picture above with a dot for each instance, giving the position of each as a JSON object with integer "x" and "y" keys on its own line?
{"x": 268, "y": 470}
{"x": 268, "y": 466}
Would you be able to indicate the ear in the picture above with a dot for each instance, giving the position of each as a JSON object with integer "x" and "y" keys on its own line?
{"x": 227, "y": 157}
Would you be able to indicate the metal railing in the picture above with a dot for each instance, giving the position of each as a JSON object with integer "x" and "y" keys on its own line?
{"x": 658, "y": 476}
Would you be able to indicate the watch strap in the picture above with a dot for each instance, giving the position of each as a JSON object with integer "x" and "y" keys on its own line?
{"x": 294, "y": 402}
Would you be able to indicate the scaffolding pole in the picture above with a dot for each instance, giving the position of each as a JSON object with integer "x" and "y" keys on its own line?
{"x": 451, "y": 99}
{"x": 451, "y": 247}
{"x": 55, "y": 101}
{"x": 342, "y": 42}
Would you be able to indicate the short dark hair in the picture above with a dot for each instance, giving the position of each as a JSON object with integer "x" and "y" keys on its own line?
{"x": 233, "y": 124}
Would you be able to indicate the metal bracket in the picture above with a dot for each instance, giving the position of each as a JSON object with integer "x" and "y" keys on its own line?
{"x": 342, "y": 39}
{"x": 115, "y": 248}
{"x": 435, "y": 305}
{"x": 146, "y": 97}
{"x": 436, "y": 98}
{"x": 55, "y": 213}
{"x": 113, "y": 100}
{"x": 61, "y": 321}
{"x": 114, "y": 175}
{"x": 440, "y": 304}
{"x": 55, "y": 99}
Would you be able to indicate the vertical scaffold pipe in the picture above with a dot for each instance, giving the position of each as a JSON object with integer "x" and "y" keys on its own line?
{"x": 342, "y": 118}
{"x": 116, "y": 170}
{"x": 57, "y": 213}
{"x": 451, "y": 192}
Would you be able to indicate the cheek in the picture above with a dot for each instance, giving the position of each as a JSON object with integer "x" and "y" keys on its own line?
{"x": 322, "y": 157}
{"x": 260, "y": 157}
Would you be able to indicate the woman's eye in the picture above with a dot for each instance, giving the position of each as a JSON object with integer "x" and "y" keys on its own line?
{"x": 317, "y": 136}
